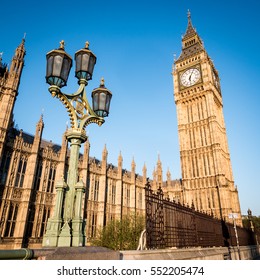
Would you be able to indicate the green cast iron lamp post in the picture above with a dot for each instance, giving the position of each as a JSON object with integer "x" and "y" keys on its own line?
{"x": 66, "y": 228}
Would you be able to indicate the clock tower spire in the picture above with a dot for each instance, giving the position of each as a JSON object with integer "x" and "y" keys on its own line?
{"x": 205, "y": 160}
{"x": 191, "y": 42}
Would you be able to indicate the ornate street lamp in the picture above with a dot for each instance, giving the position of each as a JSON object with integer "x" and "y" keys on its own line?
{"x": 65, "y": 228}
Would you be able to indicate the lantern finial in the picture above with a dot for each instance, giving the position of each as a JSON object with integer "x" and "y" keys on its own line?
{"x": 87, "y": 45}
{"x": 102, "y": 81}
{"x": 62, "y": 44}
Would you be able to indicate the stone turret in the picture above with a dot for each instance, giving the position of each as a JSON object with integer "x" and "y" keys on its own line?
{"x": 9, "y": 82}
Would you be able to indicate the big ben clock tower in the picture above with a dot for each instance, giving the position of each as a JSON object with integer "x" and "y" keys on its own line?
{"x": 205, "y": 160}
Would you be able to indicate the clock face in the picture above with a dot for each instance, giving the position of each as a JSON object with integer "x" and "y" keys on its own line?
{"x": 190, "y": 77}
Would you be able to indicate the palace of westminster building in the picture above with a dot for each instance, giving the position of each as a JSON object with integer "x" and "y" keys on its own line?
{"x": 31, "y": 166}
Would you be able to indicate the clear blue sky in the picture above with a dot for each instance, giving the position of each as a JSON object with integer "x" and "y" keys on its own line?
{"x": 135, "y": 42}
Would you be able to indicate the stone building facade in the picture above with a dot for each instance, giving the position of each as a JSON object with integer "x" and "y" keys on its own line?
{"x": 30, "y": 166}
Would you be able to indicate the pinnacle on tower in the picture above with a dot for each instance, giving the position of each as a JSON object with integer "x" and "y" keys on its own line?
{"x": 144, "y": 168}
{"x": 168, "y": 174}
{"x": 104, "y": 159}
{"x": 86, "y": 145}
{"x": 16, "y": 67}
{"x": 120, "y": 158}
{"x": 105, "y": 152}
{"x": 39, "y": 126}
{"x": 41, "y": 119}
{"x": 20, "y": 51}
{"x": 133, "y": 163}
{"x": 159, "y": 160}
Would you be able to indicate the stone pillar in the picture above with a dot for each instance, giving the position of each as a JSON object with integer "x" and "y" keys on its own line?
{"x": 50, "y": 239}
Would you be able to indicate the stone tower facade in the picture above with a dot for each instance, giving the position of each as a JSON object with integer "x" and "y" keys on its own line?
{"x": 9, "y": 84}
{"x": 205, "y": 160}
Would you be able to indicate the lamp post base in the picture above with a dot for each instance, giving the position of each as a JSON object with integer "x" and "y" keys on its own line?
{"x": 78, "y": 239}
{"x": 65, "y": 236}
{"x": 57, "y": 237}
{"x": 50, "y": 239}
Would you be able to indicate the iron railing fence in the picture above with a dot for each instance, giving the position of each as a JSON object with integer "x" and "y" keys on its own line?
{"x": 170, "y": 224}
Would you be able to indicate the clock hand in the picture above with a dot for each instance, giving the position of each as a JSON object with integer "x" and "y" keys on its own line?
{"x": 191, "y": 74}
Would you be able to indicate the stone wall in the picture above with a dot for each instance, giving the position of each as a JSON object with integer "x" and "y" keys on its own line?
{"x": 220, "y": 253}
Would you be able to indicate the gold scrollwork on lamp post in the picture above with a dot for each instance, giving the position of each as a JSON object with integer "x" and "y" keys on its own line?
{"x": 65, "y": 228}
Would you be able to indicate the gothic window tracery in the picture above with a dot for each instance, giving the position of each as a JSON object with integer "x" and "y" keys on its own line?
{"x": 51, "y": 179}
{"x": 140, "y": 199}
{"x": 127, "y": 195}
{"x": 45, "y": 216}
{"x": 93, "y": 225}
{"x": 11, "y": 220}
{"x": 113, "y": 198}
{"x": 21, "y": 172}
{"x": 4, "y": 168}
{"x": 30, "y": 221}
{"x": 38, "y": 176}
{"x": 96, "y": 189}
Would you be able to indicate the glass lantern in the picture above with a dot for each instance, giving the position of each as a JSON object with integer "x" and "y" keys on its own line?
{"x": 85, "y": 62}
{"x": 59, "y": 64}
{"x": 101, "y": 98}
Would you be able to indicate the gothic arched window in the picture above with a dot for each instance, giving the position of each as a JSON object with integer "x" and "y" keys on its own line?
{"x": 96, "y": 189}
{"x": 45, "y": 216}
{"x": 21, "y": 172}
{"x": 113, "y": 198}
{"x": 4, "y": 168}
{"x": 11, "y": 220}
{"x": 38, "y": 175}
{"x": 51, "y": 179}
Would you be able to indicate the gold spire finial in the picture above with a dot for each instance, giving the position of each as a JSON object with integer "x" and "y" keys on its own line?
{"x": 189, "y": 15}
{"x": 87, "y": 45}
{"x": 62, "y": 44}
{"x": 102, "y": 81}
